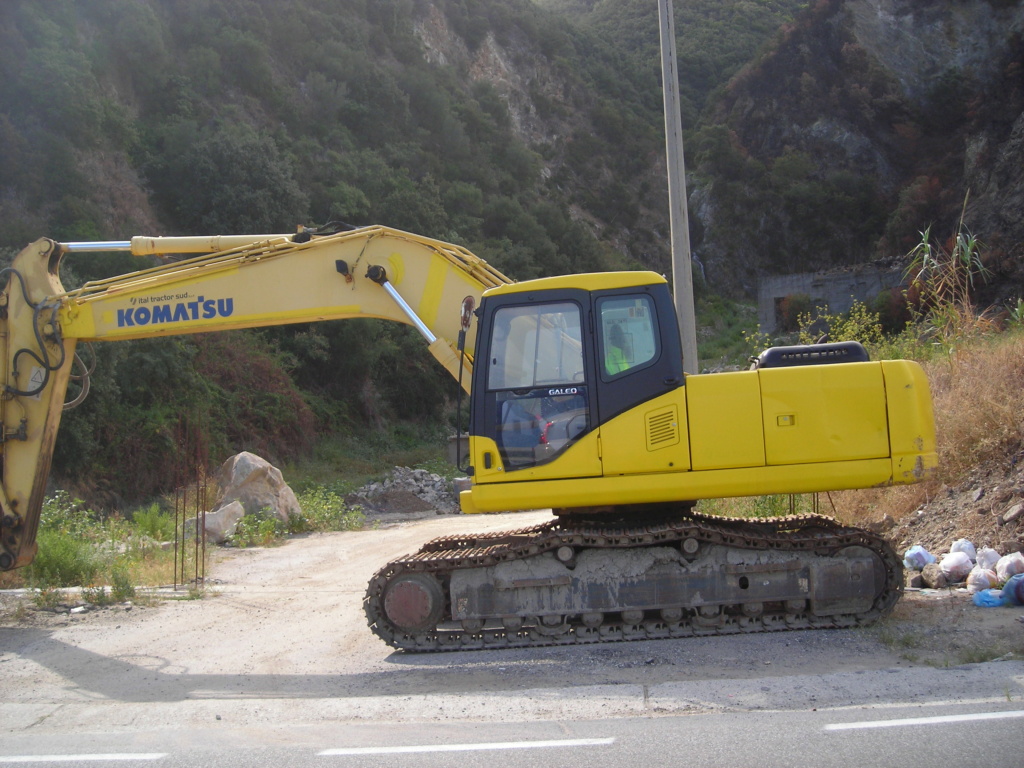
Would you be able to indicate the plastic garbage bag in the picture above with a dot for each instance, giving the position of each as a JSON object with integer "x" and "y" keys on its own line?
{"x": 1013, "y": 590}
{"x": 981, "y": 578}
{"x": 1010, "y": 565}
{"x": 917, "y": 557}
{"x": 987, "y": 558}
{"x": 955, "y": 566}
{"x": 965, "y": 546}
{"x": 989, "y": 598}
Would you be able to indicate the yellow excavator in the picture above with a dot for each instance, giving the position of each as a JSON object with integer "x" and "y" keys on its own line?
{"x": 579, "y": 403}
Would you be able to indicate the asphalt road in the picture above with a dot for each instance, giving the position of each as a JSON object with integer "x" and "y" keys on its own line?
{"x": 938, "y": 734}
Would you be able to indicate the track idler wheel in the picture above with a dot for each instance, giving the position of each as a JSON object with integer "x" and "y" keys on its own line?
{"x": 414, "y": 602}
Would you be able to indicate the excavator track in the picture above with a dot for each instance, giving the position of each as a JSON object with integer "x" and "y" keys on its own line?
{"x": 566, "y": 582}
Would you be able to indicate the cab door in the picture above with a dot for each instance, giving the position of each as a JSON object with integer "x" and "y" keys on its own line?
{"x": 533, "y": 404}
{"x": 640, "y": 388}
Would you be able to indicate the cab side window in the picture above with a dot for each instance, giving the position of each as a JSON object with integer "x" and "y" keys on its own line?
{"x": 629, "y": 334}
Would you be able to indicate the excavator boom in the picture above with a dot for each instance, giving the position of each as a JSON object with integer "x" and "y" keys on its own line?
{"x": 234, "y": 282}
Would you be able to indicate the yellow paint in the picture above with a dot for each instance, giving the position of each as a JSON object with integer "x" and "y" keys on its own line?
{"x": 911, "y": 421}
{"x": 396, "y": 269}
{"x": 581, "y": 459}
{"x": 724, "y": 411}
{"x": 675, "y": 486}
{"x": 591, "y": 281}
{"x": 627, "y": 448}
{"x": 430, "y": 301}
{"x": 830, "y": 429}
{"x": 815, "y": 413}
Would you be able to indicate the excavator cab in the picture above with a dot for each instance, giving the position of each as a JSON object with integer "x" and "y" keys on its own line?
{"x": 560, "y": 362}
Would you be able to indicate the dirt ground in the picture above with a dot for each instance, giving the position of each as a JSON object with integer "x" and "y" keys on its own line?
{"x": 288, "y": 620}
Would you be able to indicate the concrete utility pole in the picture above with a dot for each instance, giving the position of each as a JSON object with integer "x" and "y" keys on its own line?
{"x": 682, "y": 274}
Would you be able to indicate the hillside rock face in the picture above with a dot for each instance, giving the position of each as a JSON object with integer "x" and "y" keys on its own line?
{"x": 517, "y": 71}
{"x": 553, "y": 111}
{"x": 978, "y": 46}
{"x": 920, "y": 42}
{"x": 917, "y": 104}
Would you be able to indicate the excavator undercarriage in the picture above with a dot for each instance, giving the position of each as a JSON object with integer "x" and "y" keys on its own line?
{"x": 580, "y": 581}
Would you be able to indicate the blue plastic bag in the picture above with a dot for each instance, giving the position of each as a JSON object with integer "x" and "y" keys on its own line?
{"x": 1013, "y": 590}
{"x": 989, "y": 598}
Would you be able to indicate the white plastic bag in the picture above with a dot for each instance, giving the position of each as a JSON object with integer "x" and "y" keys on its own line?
{"x": 981, "y": 578}
{"x": 955, "y": 566}
{"x": 965, "y": 546}
{"x": 987, "y": 558}
{"x": 1009, "y": 565}
{"x": 917, "y": 557}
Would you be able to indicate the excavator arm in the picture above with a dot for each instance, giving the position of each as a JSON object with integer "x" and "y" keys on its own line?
{"x": 227, "y": 282}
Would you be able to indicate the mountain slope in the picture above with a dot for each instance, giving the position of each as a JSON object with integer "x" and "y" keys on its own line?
{"x": 867, "y": 122}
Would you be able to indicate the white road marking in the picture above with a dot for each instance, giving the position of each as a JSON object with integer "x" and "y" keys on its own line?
{"x": 81, "y": 758}
{"x": 923, "y": 720}
{"x": 468, "y": 747}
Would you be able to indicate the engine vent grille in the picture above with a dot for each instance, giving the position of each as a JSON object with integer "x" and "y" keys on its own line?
{"x": 662, "y": 429}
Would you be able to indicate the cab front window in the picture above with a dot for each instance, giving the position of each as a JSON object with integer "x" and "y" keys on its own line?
{"x": 536, "y": 377}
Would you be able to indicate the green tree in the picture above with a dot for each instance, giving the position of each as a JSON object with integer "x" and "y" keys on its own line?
{"x": 226, "y": 180}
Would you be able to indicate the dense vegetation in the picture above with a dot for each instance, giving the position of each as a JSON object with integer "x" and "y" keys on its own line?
{"x": 715, "y": 39}
{"x": 191, "y": 116}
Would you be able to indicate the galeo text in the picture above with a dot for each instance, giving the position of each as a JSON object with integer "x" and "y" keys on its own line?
{"x": 564, "y": 391}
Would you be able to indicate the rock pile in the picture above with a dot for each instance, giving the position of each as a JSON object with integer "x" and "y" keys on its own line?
{"x": 987, "y": 508}
{"x": 408, "y": 491}
{"x": 250, "y": 485}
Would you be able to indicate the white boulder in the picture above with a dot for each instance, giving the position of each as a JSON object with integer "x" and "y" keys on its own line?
{"x": 219, "y": 526}
{"x": 257, "y": 485}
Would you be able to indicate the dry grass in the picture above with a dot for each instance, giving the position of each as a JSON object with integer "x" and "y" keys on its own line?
{"x": 979, "y": 404}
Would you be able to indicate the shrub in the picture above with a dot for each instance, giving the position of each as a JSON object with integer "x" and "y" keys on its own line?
{"x": 258, "y": 530}
{"x": 121, "y": 586}
{"x": 942, "y": 282}
{"x": 325, "y": 510}
{"x": 64, "y": 514}
{"x": 859, "y": 324}
{"x": 791, "y": 309}
{"x": 63, "y": 560}
{"x": 96, "y": 595}
{"x": 154, "y": 523}
{"x": 79, "y": 548}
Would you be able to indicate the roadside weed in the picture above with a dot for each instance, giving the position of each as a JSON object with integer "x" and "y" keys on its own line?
{"x": 121, "y": 586}
{"x": 259, "y": 530}
{"x": 154, "y": 523}
{"x": 47, "y": 598}
{"x": 325, "y": 510}
{"x": 96, "y": 595}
